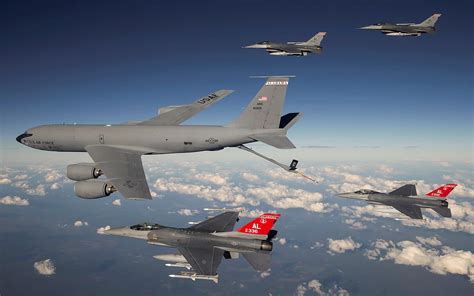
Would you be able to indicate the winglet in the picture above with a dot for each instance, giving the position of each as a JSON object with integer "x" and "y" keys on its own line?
{"x": 261, "y": 225}
{"x": 443, "y": 191}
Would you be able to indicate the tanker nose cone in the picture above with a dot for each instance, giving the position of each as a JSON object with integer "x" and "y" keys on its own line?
{"x": 22, "y": 136}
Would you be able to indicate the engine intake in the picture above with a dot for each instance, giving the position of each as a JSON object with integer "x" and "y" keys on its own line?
{"x": 93, "y": 189}
{"x": 83, "y": 171}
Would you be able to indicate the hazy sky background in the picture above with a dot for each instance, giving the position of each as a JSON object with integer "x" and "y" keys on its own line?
{"x": 114, "y": 61}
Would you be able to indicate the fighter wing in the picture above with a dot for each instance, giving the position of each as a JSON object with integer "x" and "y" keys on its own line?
{"x": 174, "y": 115}
{"x": 220, "y": 223}
{"x": 123, "y": 169}
{"x": 204, "y": 261}
{"x": 413, "y": 212}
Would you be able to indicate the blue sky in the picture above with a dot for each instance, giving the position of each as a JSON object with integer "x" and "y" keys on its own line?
{"x": 115, "y": 61}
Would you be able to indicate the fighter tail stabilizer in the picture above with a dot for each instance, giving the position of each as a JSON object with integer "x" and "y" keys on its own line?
{"x": 443, "y": 211}
{"x": 443, "y": 191}
{"x": 431, "y": 21}
{"x": 259, "y": 261}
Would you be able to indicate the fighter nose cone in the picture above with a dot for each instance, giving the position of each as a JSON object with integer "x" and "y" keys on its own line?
{"x": 344, "y": 194}
{"x": 371, "y": 27}
{"x": 18, "y": 139}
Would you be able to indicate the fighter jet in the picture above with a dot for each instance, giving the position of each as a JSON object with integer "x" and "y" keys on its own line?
{"x": 406, "y": 201}
{"x": 408, "y": 29}
{"x": 116, "y": 149}
{"x": 202, "y": 246}
{"x": 313, "y": 45}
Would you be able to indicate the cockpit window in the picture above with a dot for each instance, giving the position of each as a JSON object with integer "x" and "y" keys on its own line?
{"x": 145, "y": 227}
{"x": 263, "y": 42}
{"x": 365, "y": 191}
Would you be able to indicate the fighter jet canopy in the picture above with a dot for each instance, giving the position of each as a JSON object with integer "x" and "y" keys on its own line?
{"x": 145, "y": 227}
{"x": 365, "y": 191}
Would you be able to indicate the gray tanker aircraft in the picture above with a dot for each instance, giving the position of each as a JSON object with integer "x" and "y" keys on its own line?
{"x": 303, "y": 48}
{"x": 408, "y": 29}
{"x": 202, "y": 246}
{"x": 117, "y": 149}
{"x": 406, "y": 201}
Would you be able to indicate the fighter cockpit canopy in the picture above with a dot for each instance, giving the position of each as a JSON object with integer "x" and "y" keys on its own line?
{"x": 145, "y": 227}
{"x": 264, "y": 42}
{"x": 365, "y": 191}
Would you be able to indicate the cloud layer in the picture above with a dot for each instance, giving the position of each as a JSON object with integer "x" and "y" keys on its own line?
{"x": 422, "y": 253}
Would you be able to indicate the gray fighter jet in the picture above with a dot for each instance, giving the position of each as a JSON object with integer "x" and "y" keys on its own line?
{"x": 117, "y": 149}
{"x": 408, "y": 29}
{"x": 313, "y": 45}
{"x": 202, "y": 246}
{"x": 406, "y": 201}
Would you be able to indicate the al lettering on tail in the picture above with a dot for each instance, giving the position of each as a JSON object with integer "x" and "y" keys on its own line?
{"x": 261, "y": 225}
{"x": 443, "y": 191}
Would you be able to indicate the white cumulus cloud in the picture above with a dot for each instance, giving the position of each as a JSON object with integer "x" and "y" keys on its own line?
{"x": 424, "y": 254}
{"x": 315, "y": 287}
{"x": 5, "y": 181}
{"x": 45, "y": 267}
{"x": 342, "y": 245}
{"x": 187, "y": 212}
{"x": 14, "y": 201}
{"x": 80, "y": 223}
{"x": 101, "y": 230}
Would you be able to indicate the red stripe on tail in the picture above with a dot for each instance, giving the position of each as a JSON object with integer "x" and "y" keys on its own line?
{"x": 260, "y": 225}
{"x": 443, "y": 191}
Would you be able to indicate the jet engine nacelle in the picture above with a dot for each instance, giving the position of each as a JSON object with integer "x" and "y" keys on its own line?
{"x": 92, "y": 189}
{"x": 266, "y": 246}
{"x": 83, "y": 171}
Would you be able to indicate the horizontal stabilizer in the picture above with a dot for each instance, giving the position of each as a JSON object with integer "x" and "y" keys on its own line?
{"x": 288, "y": 120}
{"x": 259, "y": 261}
{"x": 405, "y": 190}
{"x": 445, "y": 212}
{"x": 278, "y": 141}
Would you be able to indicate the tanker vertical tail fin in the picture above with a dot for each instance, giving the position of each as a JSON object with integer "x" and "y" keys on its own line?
{"x": 264, "y": 111}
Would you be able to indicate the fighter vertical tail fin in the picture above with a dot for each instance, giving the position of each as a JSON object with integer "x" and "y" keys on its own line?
{"x": 431, "y": 21}
{"x": 261, "y": 225}
{"x": 443, "y": 191}
{"x": 316, "y": 39}
{"x": 264, "y": 111}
